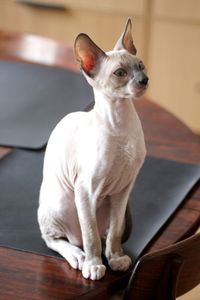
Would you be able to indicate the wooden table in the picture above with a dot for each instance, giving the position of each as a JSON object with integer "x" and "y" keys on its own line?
{"x": 30, "y": 276}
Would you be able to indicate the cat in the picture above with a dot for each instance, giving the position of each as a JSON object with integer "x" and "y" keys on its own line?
{"x": 92, "y": 160}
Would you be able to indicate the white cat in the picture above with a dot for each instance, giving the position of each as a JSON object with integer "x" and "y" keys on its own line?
{"x": 92, "y": 160}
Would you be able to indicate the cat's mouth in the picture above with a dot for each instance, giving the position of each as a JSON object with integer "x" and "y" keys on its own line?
{"x": 136, "y": 91}
{"x": 140, "y": 91}
{"x": 141, "y": 86}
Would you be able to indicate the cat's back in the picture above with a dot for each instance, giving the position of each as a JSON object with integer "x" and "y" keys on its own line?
{"x": 66, "y": 129}
{"x": 61, "y": 147}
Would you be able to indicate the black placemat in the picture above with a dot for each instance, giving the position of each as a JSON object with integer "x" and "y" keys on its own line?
{"x": 34, "y": 98}
{"x": 160, "y": 188}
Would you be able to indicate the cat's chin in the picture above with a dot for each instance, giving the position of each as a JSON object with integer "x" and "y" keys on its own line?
{"x": 134, "y": 92}
{"x": 139, "y": 92}
{"x": 134, "y": 95}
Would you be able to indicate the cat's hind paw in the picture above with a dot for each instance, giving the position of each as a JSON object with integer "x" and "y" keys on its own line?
{"x": 76, "y": 260}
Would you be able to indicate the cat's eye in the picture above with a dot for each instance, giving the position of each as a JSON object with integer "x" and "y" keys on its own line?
{"x": 141, "y": 66}
{"x": 120, "y": 72}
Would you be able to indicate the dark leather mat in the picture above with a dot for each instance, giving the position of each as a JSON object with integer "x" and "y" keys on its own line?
{"x": 160, "y": 188}
{"x": 34, "y": 98}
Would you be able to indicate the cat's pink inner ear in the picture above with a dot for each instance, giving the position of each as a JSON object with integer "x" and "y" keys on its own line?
{"x": 88, "y": 62}
{"x": 88, "y": 54}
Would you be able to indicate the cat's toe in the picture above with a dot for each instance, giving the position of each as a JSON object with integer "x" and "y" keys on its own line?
{"x": 97, "y": 272}
{"x": 76, "y": 259}
{"x": 93, "y": 272}
{"x": 81, "y": 260}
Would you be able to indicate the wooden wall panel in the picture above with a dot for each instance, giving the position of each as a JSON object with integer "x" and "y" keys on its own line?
{"x": 174, "y": 68}
{"x": 64, "y": 25}
{"x": 187, "y": 10}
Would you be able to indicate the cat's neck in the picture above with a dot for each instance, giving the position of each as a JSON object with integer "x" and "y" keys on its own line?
{"x": 118, "y": 116}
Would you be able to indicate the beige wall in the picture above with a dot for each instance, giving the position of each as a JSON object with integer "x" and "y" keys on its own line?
{"x": 174, "y": 63}
{"x": 166, "y": 33}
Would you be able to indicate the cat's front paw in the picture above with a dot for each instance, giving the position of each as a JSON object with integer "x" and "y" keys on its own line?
{"x": 120, "y": 263}
{"x": 92, "y": 270}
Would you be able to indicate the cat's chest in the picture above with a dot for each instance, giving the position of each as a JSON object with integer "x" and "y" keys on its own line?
{"x": 128, "y": 156}
{"x": 112, "y": 159}
{"x": 125, "y": 150}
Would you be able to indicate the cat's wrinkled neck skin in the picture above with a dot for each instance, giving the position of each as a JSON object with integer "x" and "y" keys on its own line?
{"x": 116, "y": 115}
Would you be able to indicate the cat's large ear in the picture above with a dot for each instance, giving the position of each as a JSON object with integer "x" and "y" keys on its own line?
{"x": 88, "y": 54}
{"x": 126, "y": 40}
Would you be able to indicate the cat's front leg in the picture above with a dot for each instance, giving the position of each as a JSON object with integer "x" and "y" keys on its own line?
{"x": 117, "y": 260}
{"x": 86, "y": 208}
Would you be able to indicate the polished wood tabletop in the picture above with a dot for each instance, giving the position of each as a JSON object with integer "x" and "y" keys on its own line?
{"x": 24, "y": 275}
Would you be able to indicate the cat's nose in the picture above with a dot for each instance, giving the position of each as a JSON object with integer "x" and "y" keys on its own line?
{"x": 141, "y": 79}
{"x": 144, "y": 80}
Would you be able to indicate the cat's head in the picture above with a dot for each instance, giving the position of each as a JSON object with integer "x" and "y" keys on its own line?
{"x": 119, "y": 73}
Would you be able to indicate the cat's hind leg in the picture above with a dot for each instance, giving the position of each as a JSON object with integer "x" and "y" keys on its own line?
{"x": 73, "y": 254}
